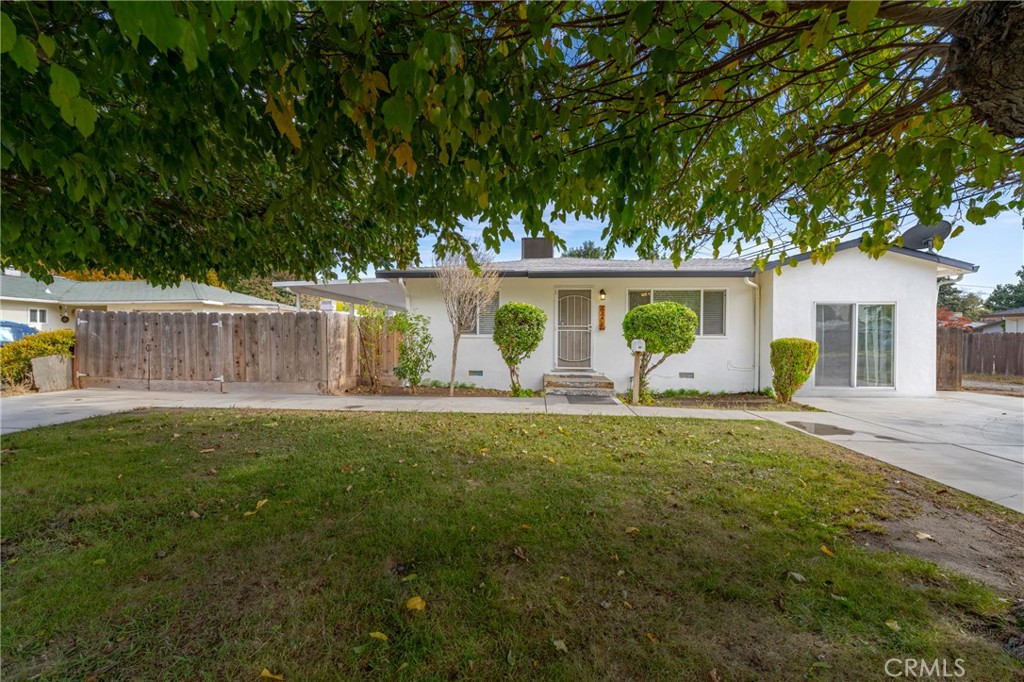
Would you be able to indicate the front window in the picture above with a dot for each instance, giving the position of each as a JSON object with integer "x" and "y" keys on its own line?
{"x": 37, "y": 315}
{"x": 856, "y": 345}
{"x": 708, "y": 304}
{"x": 484, "y": 323}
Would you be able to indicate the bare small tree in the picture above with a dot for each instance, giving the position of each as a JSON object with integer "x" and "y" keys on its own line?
{"x": 464, "y": 293}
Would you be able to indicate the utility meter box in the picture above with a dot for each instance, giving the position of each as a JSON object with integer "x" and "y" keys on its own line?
{"x": 638, "y": 345}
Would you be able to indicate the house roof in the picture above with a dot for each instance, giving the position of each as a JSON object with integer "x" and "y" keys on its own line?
{"x": 599, "y": 267}
{"x": 70, "y": 292}
{"x": 1012, "y": 312}
{"x": 695, "y": 267}
{"x": 370, "y": 290}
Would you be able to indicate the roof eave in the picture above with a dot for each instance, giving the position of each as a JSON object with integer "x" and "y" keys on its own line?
{"x": 580, "y": 274}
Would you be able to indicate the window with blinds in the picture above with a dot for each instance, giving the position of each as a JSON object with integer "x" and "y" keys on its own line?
{"x": 709, "y": 306}
{"x": 484, "y": 325}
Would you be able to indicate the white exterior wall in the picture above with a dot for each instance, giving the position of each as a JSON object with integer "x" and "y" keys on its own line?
{"x": 719, "y": 363}
{"x": 17, "y": 311}
{"x": 1011, "y": 324}
{"x": 853, "y": 277}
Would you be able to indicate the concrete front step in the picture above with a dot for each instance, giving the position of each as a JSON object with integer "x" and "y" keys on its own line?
{"x": 577, "y": 383}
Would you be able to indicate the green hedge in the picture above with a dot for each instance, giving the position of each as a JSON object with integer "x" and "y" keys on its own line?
{"x": 16, "y": 357}
{"x": 518, "y": 330}
{"x": 792, "y": 363}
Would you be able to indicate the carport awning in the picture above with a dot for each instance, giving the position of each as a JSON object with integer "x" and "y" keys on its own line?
{"x": 371, "y": 290}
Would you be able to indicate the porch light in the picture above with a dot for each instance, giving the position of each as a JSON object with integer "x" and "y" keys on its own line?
{"x": 603, "y": 295}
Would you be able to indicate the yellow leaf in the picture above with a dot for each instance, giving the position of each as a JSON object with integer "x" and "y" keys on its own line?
{"x": 248, "y": 513}
{"x": 526, "y": 526}
{"x": 718, "y": 92}
{"x": 522, "y": 10}
{"x": 550, "y": 459}
{"x": 921, "y": 535}
{"x": 633, "y": 530}
{"x": 261, "y": 503}
{"x": 893, "y": 625}
{"x": 269, "y": 675}
{"x": 651, "y": 637}
{"x": 482, "y": 200}
{"x": 282, "y": 109}
{"x": 826, "y": 551}
{"x": 379, "y": 635}
{"x": 627, "y": 604}
{"x": 205, "y": 450}
{"x": 415, "y": 604}
{"x": 379, "y": 81}
{"x": 403, "y": 159}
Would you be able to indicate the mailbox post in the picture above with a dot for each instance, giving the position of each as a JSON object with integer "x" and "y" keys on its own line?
{"x": 638, "y": 346}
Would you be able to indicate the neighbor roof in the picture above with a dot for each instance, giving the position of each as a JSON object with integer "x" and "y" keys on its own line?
{"x": 70, "y": 292}
{"x": 1012, "y": 312}
{"x": 695, "y": 267}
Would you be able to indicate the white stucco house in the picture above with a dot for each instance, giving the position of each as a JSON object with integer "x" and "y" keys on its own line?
{"x": 874, "y": 319}
{"x": 52, "y": 306}
{"x": 1001, "y": 321}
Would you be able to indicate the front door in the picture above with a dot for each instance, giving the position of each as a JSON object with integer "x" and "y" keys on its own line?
{"x": 573, "y": 329}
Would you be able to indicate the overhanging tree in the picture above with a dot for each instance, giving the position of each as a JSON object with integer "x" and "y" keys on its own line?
{"x": 169, "y": 139}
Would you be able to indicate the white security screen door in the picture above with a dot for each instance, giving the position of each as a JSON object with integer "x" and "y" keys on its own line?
{"x": 573, "y": 329}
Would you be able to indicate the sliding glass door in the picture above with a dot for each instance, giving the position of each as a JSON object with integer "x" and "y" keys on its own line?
{"x": 856, "y": 345}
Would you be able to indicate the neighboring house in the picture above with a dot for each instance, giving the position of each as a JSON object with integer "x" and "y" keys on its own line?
{"x": 874, "y": 319}
{"x": 52, "y": 306}
{"x": 1000, "y": 321}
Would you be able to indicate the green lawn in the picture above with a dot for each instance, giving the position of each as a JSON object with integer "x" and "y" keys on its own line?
{"x": 565, "y": 548}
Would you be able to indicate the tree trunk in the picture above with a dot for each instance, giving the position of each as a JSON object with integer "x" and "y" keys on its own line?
{"x": 513, "y": 373}
{"x": 987, "y": 64}
{"x": 455, "y": 357}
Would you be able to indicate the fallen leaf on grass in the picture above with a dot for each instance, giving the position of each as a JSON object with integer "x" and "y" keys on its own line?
{"x": 411, "y": 576}
{"x": 269, "y": 675}
{"x": 827, "y": 552}
{"x": 651, "y": 637}
{"x": 484, "y": 451}
{"x": 193, "y": 513}
{"x": 520, "y": 554}
{"x": 923, "y": 536}
{"x": 550, "y": 459}
{"x": 415, "y": 604}
{"x": 379, "y": 635}
{"x": 205, "y": 450}
{"x": 560, "y": 645}
{"x": 258, "y": 506}
{"x": 633, "y": 530}
{"x": 893, "y": 625}
{"x": 627, "y": 604}
{"x": 796, "y": 577}
{"x": 525, "y": 526}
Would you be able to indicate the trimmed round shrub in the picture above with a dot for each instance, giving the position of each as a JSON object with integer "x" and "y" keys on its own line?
{"x": 792, "y": 363}
{"x": 16, "y": 357}
{"x": 518, "y": 330}
{"x": 668, "y": 328}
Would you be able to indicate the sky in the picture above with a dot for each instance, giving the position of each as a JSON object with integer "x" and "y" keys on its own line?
{"x": 997, "y": 247}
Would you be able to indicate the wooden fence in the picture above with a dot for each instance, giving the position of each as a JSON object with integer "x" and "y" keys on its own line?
{"x": 994, "y": 354}
{"x": 948, "y": 358}
{"x": 292, "y": 352}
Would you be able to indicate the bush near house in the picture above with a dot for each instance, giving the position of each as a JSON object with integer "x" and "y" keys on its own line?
{"x": 415, "y": 353}
{"x": 518, "y": 330}
{"x": 16, "y": 357}
{"x": 668, "y": 328}
{"x": 792, "y": 363}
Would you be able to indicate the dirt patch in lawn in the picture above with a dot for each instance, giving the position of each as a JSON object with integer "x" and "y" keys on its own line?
{"x": 988, "y": 549}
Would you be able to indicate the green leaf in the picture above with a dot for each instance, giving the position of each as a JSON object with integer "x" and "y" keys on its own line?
{"x": 48, "y": 44}
{"x": 85, "y": 115}
{"x": 24, "y": 54}
{"x": 859, "y": 13}
{"x": 8, "y": 33}
{"x": 976, "y": 215}
{"x": 64, "y": 85}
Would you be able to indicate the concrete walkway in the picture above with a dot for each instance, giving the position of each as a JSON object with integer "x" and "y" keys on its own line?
{"x": 970, "y": 441}
{"x": 18, "y": 413}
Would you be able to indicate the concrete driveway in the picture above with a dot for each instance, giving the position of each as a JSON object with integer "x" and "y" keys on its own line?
{"x": 969, "y": 441}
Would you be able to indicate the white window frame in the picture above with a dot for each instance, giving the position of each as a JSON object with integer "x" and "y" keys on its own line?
{"x": 475, "y": 333}
{"x": 700, "y": 318}
{"x": 41, "y": 315}
{"x": 855, "y": 346}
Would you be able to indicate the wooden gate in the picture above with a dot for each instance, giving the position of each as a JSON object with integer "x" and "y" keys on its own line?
{"x": 948, "y": 356}
{"x": 292, "y": 352}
